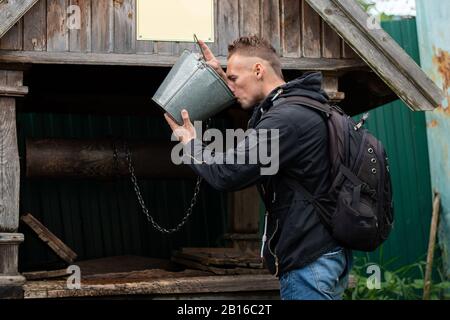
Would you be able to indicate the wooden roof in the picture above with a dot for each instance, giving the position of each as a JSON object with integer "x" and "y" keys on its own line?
{"x": 391, "y": 63}
{"x": 378, "y": 50}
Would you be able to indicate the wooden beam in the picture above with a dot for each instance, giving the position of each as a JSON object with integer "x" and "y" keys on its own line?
{"x": 381, "y": 53}
{"x": 189, "y": 285}
{"x": 11, "y": 11}
{"x": 9, "y": 163}
{"x": 94, "y": 158}
{"x": 154, "y": 60}
{"x": 9, "y": 91}
{"x": 62, "y": 250}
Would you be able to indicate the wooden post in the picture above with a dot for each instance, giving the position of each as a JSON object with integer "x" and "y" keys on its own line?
{"x": 10, "y": 280}
{"x": 243, "y": 208}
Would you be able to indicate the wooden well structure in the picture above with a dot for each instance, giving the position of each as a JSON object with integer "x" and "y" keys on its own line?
{"x": 362, "y": 66}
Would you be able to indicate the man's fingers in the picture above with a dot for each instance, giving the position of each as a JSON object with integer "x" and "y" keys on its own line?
{"x": 185, "y": 117}
{"x": 173, "y": 125}
{"x": 206, "y": 51}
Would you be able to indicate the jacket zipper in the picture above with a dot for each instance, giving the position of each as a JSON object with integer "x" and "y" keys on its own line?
{"x": 274, "y": 254}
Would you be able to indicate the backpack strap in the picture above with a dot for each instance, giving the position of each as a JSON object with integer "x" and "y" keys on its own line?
{"x": 314, "y": 104}
{"x": 322, "y": 212}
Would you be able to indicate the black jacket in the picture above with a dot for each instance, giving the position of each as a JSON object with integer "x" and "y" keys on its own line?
{"x": 295, "y": 235}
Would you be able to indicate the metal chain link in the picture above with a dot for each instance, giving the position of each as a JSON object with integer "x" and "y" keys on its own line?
{"x": 137, "y": 190}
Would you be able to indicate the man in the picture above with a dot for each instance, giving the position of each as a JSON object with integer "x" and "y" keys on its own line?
{"x": 299, "y": 249}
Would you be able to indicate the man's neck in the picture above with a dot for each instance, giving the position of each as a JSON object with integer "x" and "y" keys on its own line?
{"x": 272, "y": 86}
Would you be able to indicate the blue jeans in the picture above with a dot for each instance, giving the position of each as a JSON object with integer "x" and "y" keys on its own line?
{"x": 324, "y": 279}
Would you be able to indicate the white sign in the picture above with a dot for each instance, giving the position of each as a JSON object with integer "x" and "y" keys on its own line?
{"x": 175, "y": 20}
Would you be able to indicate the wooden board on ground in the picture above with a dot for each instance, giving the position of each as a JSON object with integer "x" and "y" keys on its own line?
{"x": 39, "y": 275}
{"x": 218, "y": 270}
{"x": 62, "y": 250}
{"x": 220, "y": 257}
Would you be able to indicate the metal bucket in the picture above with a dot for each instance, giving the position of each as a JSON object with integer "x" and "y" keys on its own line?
{"x": 195, "y": 86}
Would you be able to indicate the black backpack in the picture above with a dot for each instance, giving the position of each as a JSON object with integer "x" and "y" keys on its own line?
{"x": 358, "y": 209}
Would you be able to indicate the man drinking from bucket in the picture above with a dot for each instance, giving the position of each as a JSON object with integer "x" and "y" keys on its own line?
{"x": 297, "y": 247}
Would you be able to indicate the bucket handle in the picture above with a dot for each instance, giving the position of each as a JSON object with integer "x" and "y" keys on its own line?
{"x": 199, "y": 46}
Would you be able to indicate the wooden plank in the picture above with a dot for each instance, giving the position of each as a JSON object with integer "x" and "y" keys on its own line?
{"x": 124, "y": 26}
{"x": 12, "y": 91}
{"x": 331, "y": 42}
{"x": 411, "y": 84}
{"x": 227, "y": 24}
{"x": 39, "y": 275}
{"x": 184, "y": 285}
{"x": 220, "y": 256}
{"x": 271, "y": 29}
{"x": 11, "y": 11}
{"x": 13, "y": 39}
{"x": 80, "y": 38}
{"x": 217, "y": 270}
{"x": 348, "y": 52}
{"x": 9, "y": 167}
{"x": 35, "y": 27}
{"x": 311, "y": 34}
{"x": 291, "y": 28}
{"x": 247, "y": 26}
{"x": 57, "y": 30}
{"x": 6, "y": 56}
{"x": 62, "y": 250}
{"x": 244, "y": 211}
{"x": 102, "y": 26}
{"x": 391, "y": 49}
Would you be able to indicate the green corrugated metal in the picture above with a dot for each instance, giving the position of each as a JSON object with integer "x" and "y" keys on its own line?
{"x": 103, "y": 218}
{"x": 403, "y": 132}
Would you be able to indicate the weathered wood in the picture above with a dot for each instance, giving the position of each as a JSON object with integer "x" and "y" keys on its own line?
{"x": 59, "y": 158}
{"x": 39, "y": 275}
{"x": 11, "y": 11}
{"x": 57, "y": 30}
{"x": 9, "y": 252}
{"x": 431, "y": 244}
{"x": 80, "y": 38}
{"x": 249, "y": 17}
{"x": 187, "y": 285}
{"x": 227, "y": 24}
{"x": 291, "y": 28}
{"x": 320, "y": 64}
{"x": 61, "y": 249}
{"x": 35, "y": 27}
{"x": 380, "y": 52}
{"x": 331, "y": 42}
{"x": 271, "y": 22}
{"x": 217, "y": 270}
{"x": 9, "y": 166}
{"x": 124, "y": 26}
{"x": 330, "y": 84}
{"x": 220, "y": 257}
{"x": 13, "y": 39}
{"x": 311, "y": 35}
{"x": 245, "y": 242}
{"x": 244, "y": 211}
{"x": 8, "y": 91}
{"x": 102, "y": 25}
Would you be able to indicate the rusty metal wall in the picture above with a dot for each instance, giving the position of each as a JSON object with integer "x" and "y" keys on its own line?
{"x": 434, "y": 43}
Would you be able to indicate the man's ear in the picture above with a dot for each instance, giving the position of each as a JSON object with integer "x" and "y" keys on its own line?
{"x": 258, "y": 69}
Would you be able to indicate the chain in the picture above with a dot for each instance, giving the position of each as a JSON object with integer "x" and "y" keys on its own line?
{"x": 137, "y": 190}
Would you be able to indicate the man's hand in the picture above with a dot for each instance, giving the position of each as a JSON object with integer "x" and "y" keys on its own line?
{"x": 212, "y": 60}
{"x": 184, "y": 133}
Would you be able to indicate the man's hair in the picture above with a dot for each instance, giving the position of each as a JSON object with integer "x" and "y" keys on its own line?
{"x": 254, "y": 46}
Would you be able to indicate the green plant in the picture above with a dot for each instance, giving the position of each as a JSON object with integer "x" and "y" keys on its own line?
{"x": 398, "y": 284}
